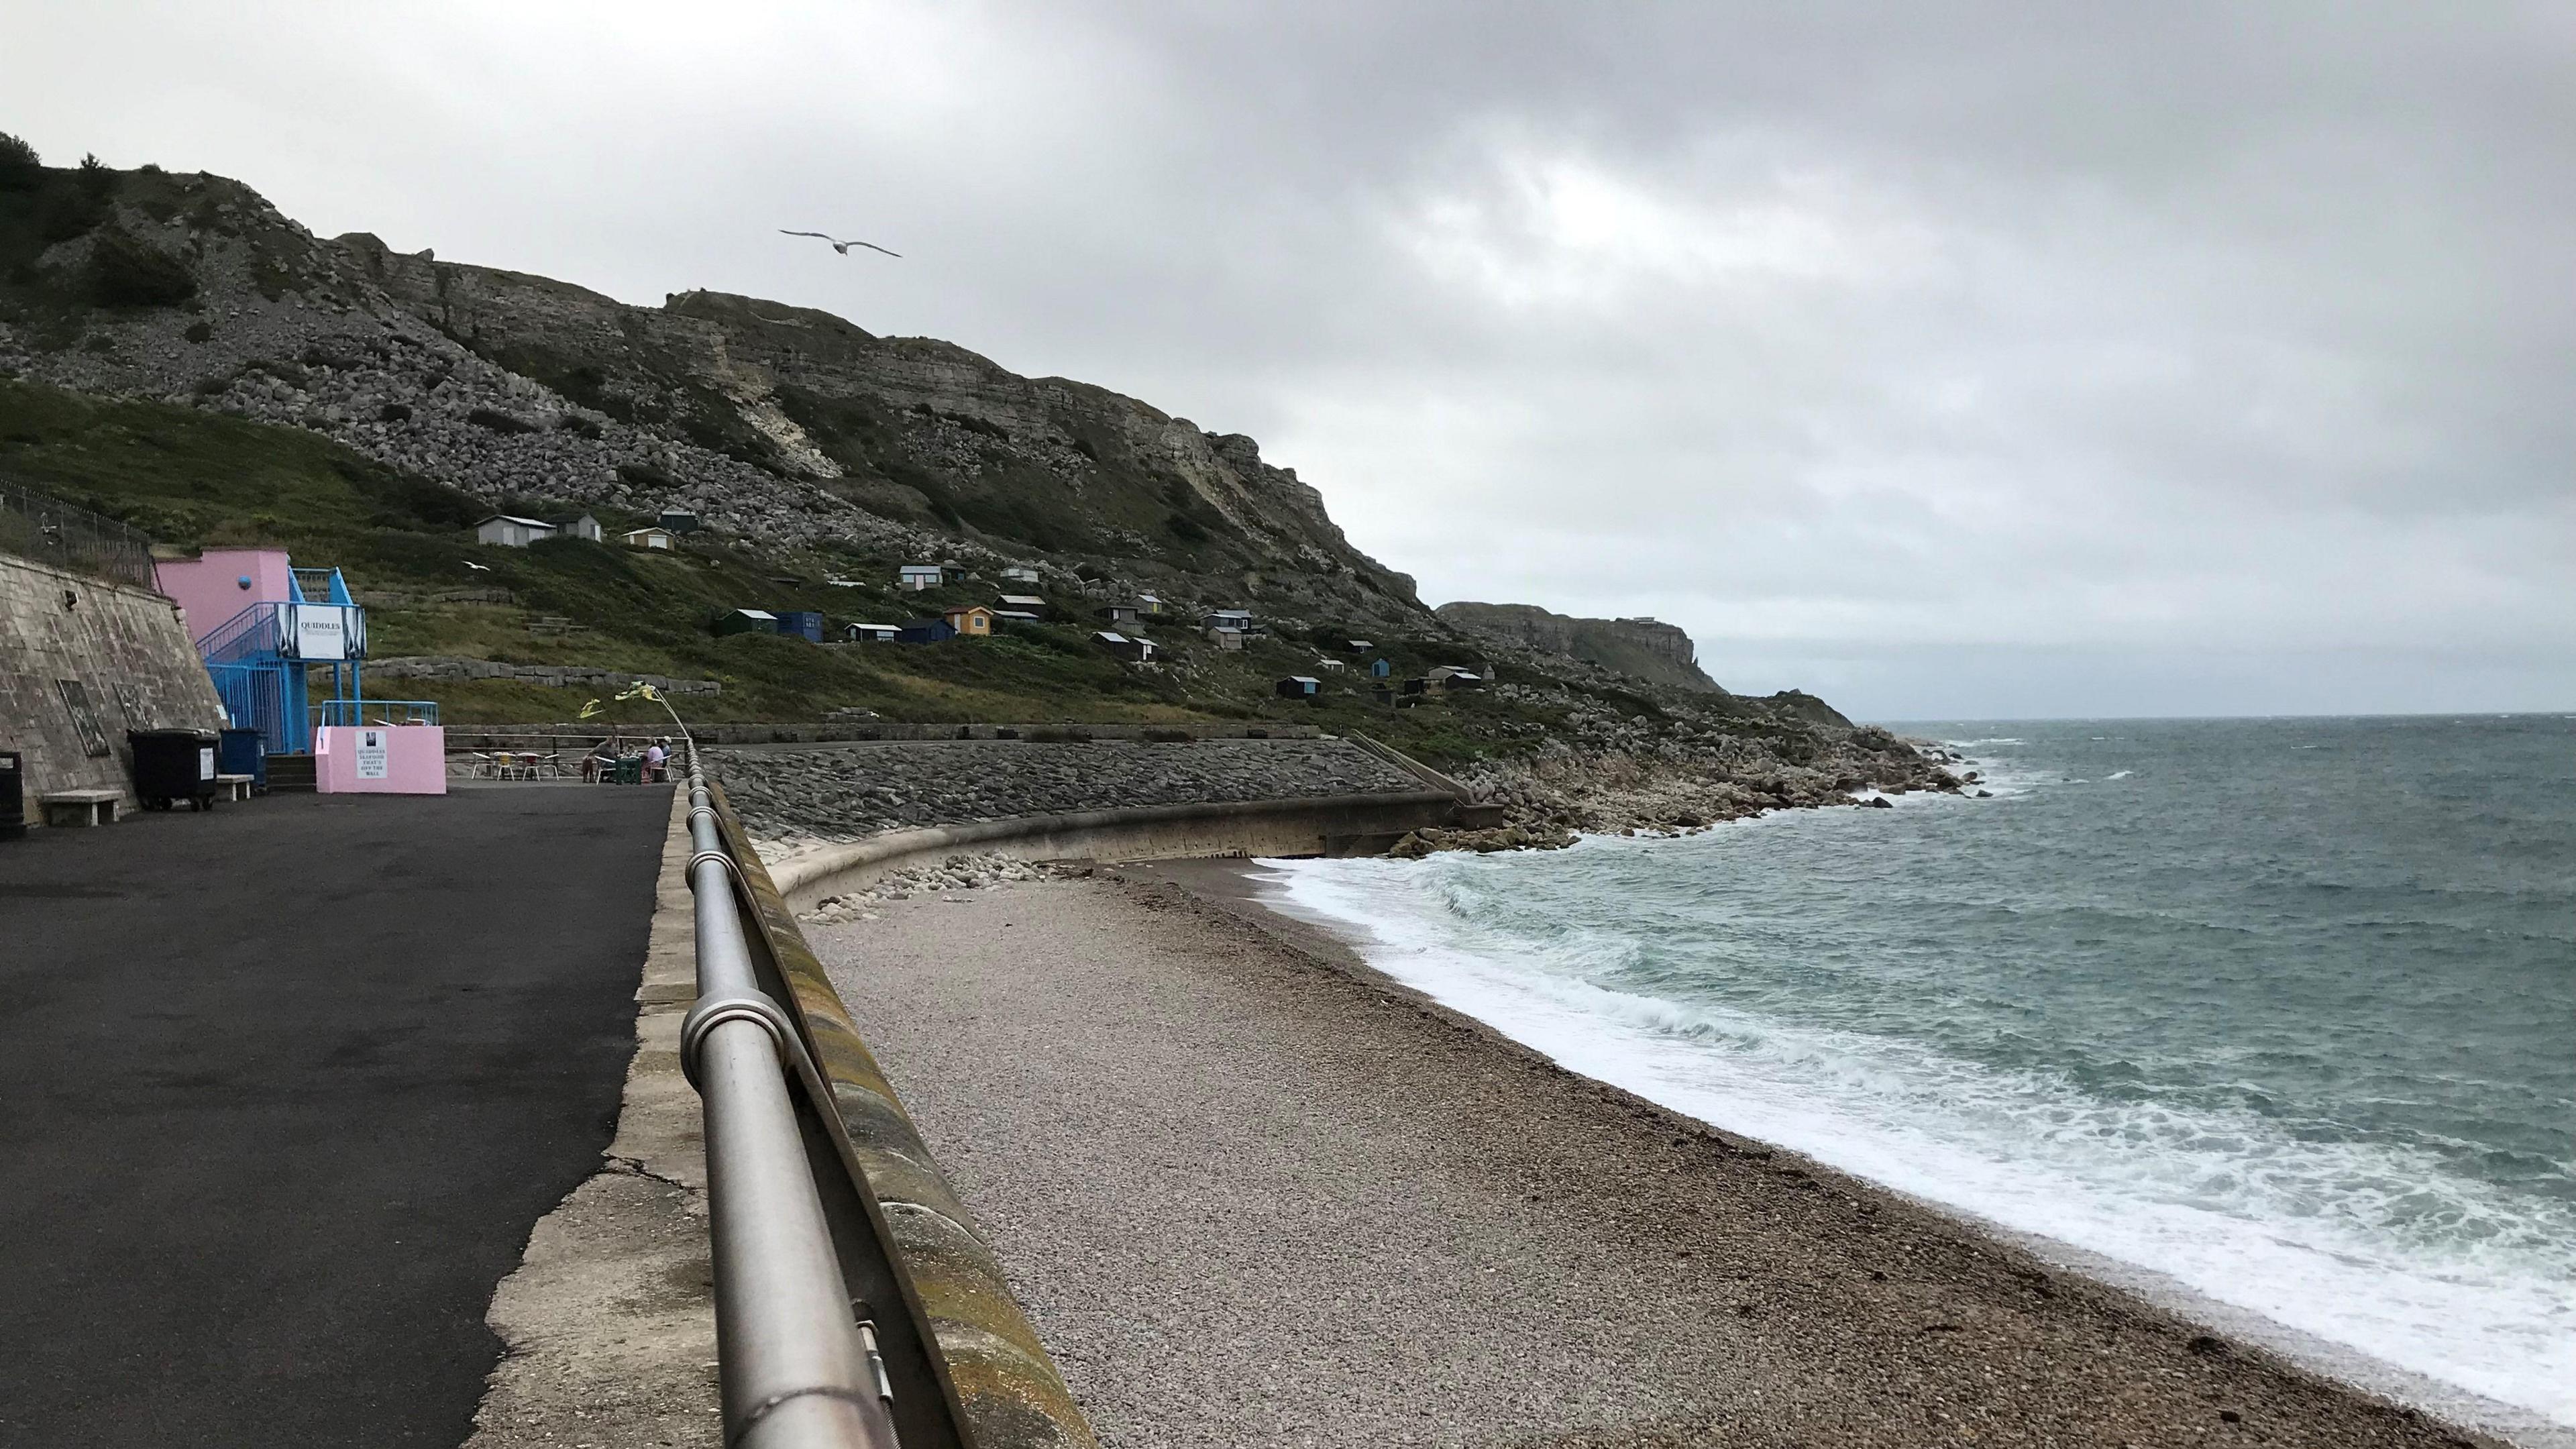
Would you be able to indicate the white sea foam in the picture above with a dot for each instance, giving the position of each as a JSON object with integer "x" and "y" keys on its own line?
{"x": 2322, "y": 1238}
{"x": 2119, "y": 775}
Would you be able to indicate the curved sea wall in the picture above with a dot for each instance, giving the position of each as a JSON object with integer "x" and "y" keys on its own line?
{"x": 829, "y": 819}
{"x": 1332, "y": 825}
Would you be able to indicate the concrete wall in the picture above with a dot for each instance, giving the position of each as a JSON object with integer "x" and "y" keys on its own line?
{"x": 403, "y": 760}
{"x": 209, "y": 586}
{"x": 1332, "y": 825}
{"x": 130, "y": 652}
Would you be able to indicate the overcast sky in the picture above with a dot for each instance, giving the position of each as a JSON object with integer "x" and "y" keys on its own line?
{"x": 1950, "y": 361}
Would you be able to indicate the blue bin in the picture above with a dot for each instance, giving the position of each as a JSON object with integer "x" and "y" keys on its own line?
{"x": 239, "y": 753}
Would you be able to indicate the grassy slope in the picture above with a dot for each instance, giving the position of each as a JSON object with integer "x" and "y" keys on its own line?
{"x": 200, "y": 479}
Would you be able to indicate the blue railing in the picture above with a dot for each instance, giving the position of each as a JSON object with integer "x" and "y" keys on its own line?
{"x": 375, "y": 712}
{"x": 255, "y": 696}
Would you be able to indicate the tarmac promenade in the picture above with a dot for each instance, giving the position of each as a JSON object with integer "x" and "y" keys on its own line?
{"x": 285, "y": 1088}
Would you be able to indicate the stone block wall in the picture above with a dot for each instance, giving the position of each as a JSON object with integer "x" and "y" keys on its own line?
{"x": 552, "y": 676}
{"x": 125, "y": 648}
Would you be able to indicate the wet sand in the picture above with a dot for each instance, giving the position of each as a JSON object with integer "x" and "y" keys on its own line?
{"x": 1254, "y": 1193}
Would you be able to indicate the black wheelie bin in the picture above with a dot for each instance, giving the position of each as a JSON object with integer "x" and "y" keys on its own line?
{"x": 174, "y": 765}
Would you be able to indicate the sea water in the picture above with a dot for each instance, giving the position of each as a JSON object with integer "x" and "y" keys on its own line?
{"x": 2280, "y": 1014}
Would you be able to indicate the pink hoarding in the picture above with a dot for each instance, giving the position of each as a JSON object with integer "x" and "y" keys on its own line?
{"x": 380, "y": 759}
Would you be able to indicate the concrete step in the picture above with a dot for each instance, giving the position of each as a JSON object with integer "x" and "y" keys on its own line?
{"x": 290, "y": 772}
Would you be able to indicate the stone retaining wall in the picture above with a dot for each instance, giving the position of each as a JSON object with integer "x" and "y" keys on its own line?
{"x": 846, "y": 792}
{"x": 552, "y": 676}
{"x": 126, "y": 649}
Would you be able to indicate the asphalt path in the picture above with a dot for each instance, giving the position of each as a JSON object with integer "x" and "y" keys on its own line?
{"x": 283, "y": 1088}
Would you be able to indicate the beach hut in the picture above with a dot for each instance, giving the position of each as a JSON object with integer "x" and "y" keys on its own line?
{"x": 588, "y": 527}
{"x": 1116, "y": 614}
{"x": 1450, "y": 676}
{"x": 511, "y": 531}
{"x": 802, "y": 624}
{"x": 746, "y": 621}
{"x": 678, "y": 520}
{"x": 1020, "y": 574}
{"x": 924, "y": 631}
{"x": 1029, "y": 604}
{"x": 1133, "y": 650}
{"x": 870, "y": 633}
{"x": 1227, "y": 640}
{"x": 973, "y": 620}
{"x": 654, "y": 537}
{"x": 1298, "y": 686}
{"x": 1381, "y": 669}
{"x": 917, "y": 577}
{"x": 1014, "y": 616}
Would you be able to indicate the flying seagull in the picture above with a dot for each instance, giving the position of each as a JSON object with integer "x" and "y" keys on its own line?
{"x": 478, "y": 568}
{"x": 838, "y": 245}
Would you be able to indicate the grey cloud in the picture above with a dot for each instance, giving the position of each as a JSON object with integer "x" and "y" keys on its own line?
{"x": 2187, "y": 358}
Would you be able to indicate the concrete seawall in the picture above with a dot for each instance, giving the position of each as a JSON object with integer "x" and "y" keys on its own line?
{"x": 1328, "y": 825}
{"x": 82, "y": 661}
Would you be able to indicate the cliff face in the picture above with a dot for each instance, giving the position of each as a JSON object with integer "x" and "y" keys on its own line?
{"x": 808, "y": 445}
{"x": 790, "y": 428}
{"x": 1646, "y": 649}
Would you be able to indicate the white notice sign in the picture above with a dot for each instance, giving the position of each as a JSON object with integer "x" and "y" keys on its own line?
{"x": 371, "y": 754}
{"x": 321, "y": 631}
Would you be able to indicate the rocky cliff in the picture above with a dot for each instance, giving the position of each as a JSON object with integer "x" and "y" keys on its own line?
{"x": 788, "y": 428}
{"x": 807, "y": 445}
{"x": 1645, "y": 649}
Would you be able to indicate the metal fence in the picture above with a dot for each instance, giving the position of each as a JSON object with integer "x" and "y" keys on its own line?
{"x": 37, "y": 526}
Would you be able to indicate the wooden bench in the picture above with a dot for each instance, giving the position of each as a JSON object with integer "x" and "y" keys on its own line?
{"x": 81, "y": 807}
{"x": 234, "y": 787}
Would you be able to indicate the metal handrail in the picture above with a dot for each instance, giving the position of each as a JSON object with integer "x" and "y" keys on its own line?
{"x": 382, "y": 711}
{"x": 799, "y": 1369}
{"x": 41, "y": 526}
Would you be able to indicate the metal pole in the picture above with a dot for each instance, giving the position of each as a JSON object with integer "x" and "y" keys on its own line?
{"x": 796, "y": 1372}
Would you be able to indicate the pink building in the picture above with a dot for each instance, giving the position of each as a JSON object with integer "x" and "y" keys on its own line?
{"x": 224, "y": 581}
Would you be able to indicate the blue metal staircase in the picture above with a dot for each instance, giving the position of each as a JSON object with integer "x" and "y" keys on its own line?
{"x": 261, "y": 661}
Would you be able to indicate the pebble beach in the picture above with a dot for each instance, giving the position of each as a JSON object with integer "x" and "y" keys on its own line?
{"x": 1252, "y": 1192}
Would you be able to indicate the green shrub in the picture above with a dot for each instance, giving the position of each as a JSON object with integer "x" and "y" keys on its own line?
{"x": 124, "y": 272}
{"x": 21, "y": 169}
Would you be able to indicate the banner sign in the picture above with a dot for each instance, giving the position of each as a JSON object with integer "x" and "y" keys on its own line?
{"x": 319, "y": 632}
